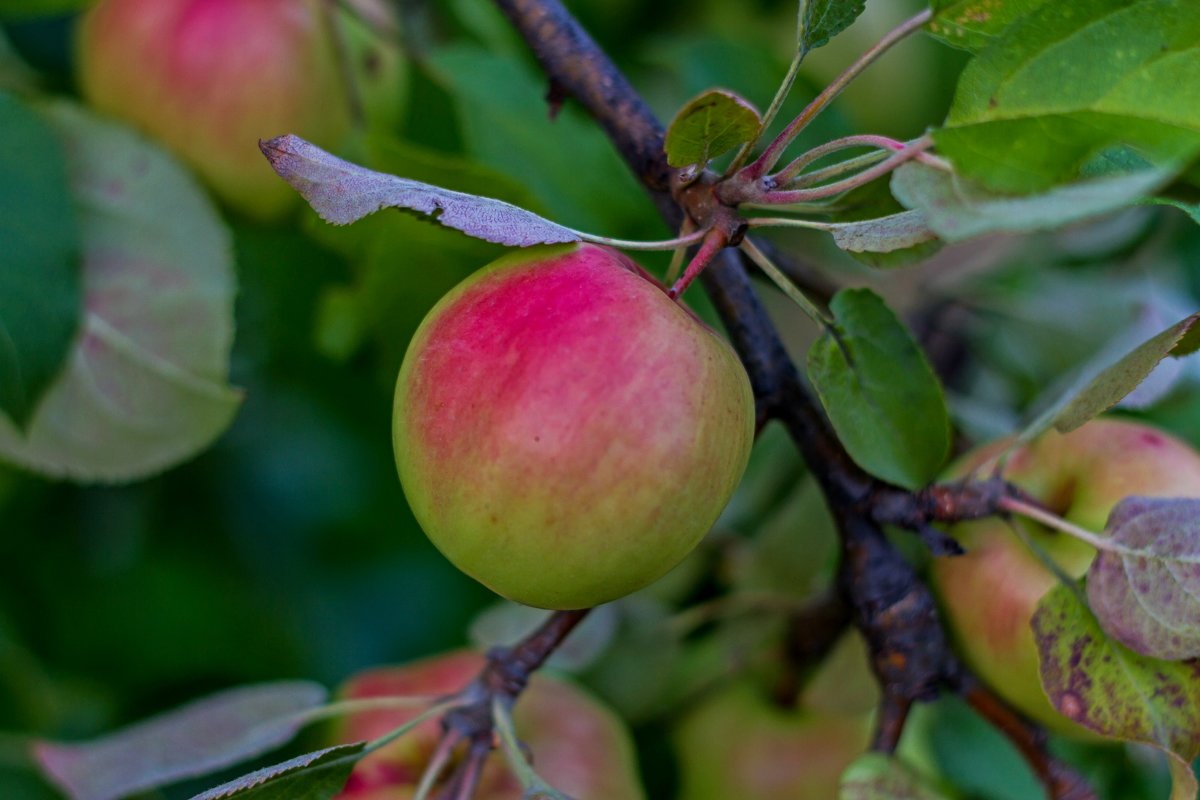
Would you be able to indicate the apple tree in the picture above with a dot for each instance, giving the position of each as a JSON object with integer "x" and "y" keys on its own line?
{"x": 754, "y": 354}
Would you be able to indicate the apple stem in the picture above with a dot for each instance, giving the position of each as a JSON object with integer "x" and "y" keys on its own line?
{"x": 790, "y": 175}
{"x": 785, "y": 285}
{"x": 437, "y": 763}
{"x": 909, "y": 152}
{"x": 627, "y": 244}
{"x": 687, "y": 227}
{"x": 1051, "y": 520}
{"x": 715, "y": 240}
{"x": 466, "y": 778}
{"x": 771, "y": 155}
{"x": 531, "y": 782}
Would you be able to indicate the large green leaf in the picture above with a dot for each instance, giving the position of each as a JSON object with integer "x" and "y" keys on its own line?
{"x": 146, "y": 383}
{"x": 879, "y": 391}
{"x": 973, "y": 24}
{"x": 39, "y": 260}
{"x": 1063, "y": 88}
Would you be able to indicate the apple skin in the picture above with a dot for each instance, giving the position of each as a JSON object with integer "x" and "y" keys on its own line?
{"x": 564, "y": 432}
{"x": 989, "y": 595}
{"x": 210, "y": 78}
{"x": 579, "y": 746}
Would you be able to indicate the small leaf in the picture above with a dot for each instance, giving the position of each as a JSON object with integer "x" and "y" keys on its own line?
{"x": 957, "y": 208}
{"x": 710, "y": 124}
{"x": 145, "y": 385}
{"x": 821, "y": 20}
{"x": 875, "y": 776}
{"x": 883, "y": 234}
{"x": 1146, "y": 590}
{"x": 195, "y": 739}
{"x": 313, "y": 776}
{"x": 1114, "y": 382}
{"x": 40, "y": 297}
{"x": 342, "y": 193}
{"x": 1108, "y": 688}
{"x": 1068, "y": 81}
{"x": 973, "y": 24}
{"x": 879, "y": 391}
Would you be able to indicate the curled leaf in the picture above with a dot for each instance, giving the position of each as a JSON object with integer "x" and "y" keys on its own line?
{"x": 1146, "y": 590}
{"x": 342, "y": 193}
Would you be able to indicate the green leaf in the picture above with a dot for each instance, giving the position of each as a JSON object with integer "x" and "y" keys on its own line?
{"x": 1109, "y": 689}
{"x": 821, "y": 20}
{"x": 875, "y": 776}
{"x": 27, "y": 9}
{"x": 196, "y": 739}
{"x": 973, "y": 24}
{"x": 880, "y": 392}
{"x": 957, "y": 208}
{"x": 1068, "y": 82}
{"x": 39, "y": 260}
{"x": 709, "y": 125}
{"x": 1189, "y": 208}
{"x": 1100, "y": 390}
{"x": 145, "y": 385}
{"x": 312, "y": 776}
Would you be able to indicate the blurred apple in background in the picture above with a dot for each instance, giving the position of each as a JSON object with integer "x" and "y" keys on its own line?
{"x": 579, "y": 746}
{"x": 209, "y": 78}
{"x": 739, "y": 742}
{"x": 989, "y": 594}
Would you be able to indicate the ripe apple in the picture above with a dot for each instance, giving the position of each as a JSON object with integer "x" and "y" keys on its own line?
{"x": 564, "y": 432}
{"x": 739, "y": 743}
{"x": 210, "y": 78}
{"x": 579, "y": 746}
{"x": 989, "y": 594}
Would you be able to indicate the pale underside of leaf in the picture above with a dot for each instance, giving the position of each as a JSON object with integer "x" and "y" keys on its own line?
{"x": 144, "y": 386}
{"x": 956, "y": 208}
{"x": 198, "y": 738}
{"x": 341, "y": 193}
{"x": 883, "y": 234}
{"x": 1145, "y": 592}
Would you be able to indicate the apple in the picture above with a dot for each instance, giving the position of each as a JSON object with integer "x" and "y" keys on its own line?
{"x": 740, "y": 743}
{"x": 565, "y": 433}
{"x": 989, "y": 595}
{"x": 578, "y": 745}
{"x": 210, "y": 78}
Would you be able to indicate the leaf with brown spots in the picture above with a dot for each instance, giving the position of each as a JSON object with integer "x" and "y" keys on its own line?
{"x": 1108, "y": 688}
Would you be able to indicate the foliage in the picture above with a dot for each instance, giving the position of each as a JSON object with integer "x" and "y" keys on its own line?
{"x": 197, "y": 487}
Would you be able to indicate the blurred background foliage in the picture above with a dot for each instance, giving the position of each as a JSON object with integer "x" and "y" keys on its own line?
{"x": 287, "y": 550}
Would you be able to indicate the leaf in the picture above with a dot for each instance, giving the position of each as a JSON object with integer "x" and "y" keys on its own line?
{"x": 1107, "y": 688}
{"x": 1146, "y": 591}
{"x": 957, "y": 208}
{"x": 1072, "y": 80}
{"x": 145, "y": 385}
{"x": 313, "y": 776}
{"x": 25, "y": 9}
{"x": 883, "y": 234}
{"x": 342, "y": 193}
{"x": 1114, "y": 382}
{"x": 879, "y": 391}
{"x": 973, "y": 24}
{"x": 821, "y": 20}
{"x": 1191, "y": 209}
{"x": 875, "y": 776}
{"x": 39, "y": 260}
{"x": 195, "y": 739}
{"x": 709, "y": 125}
